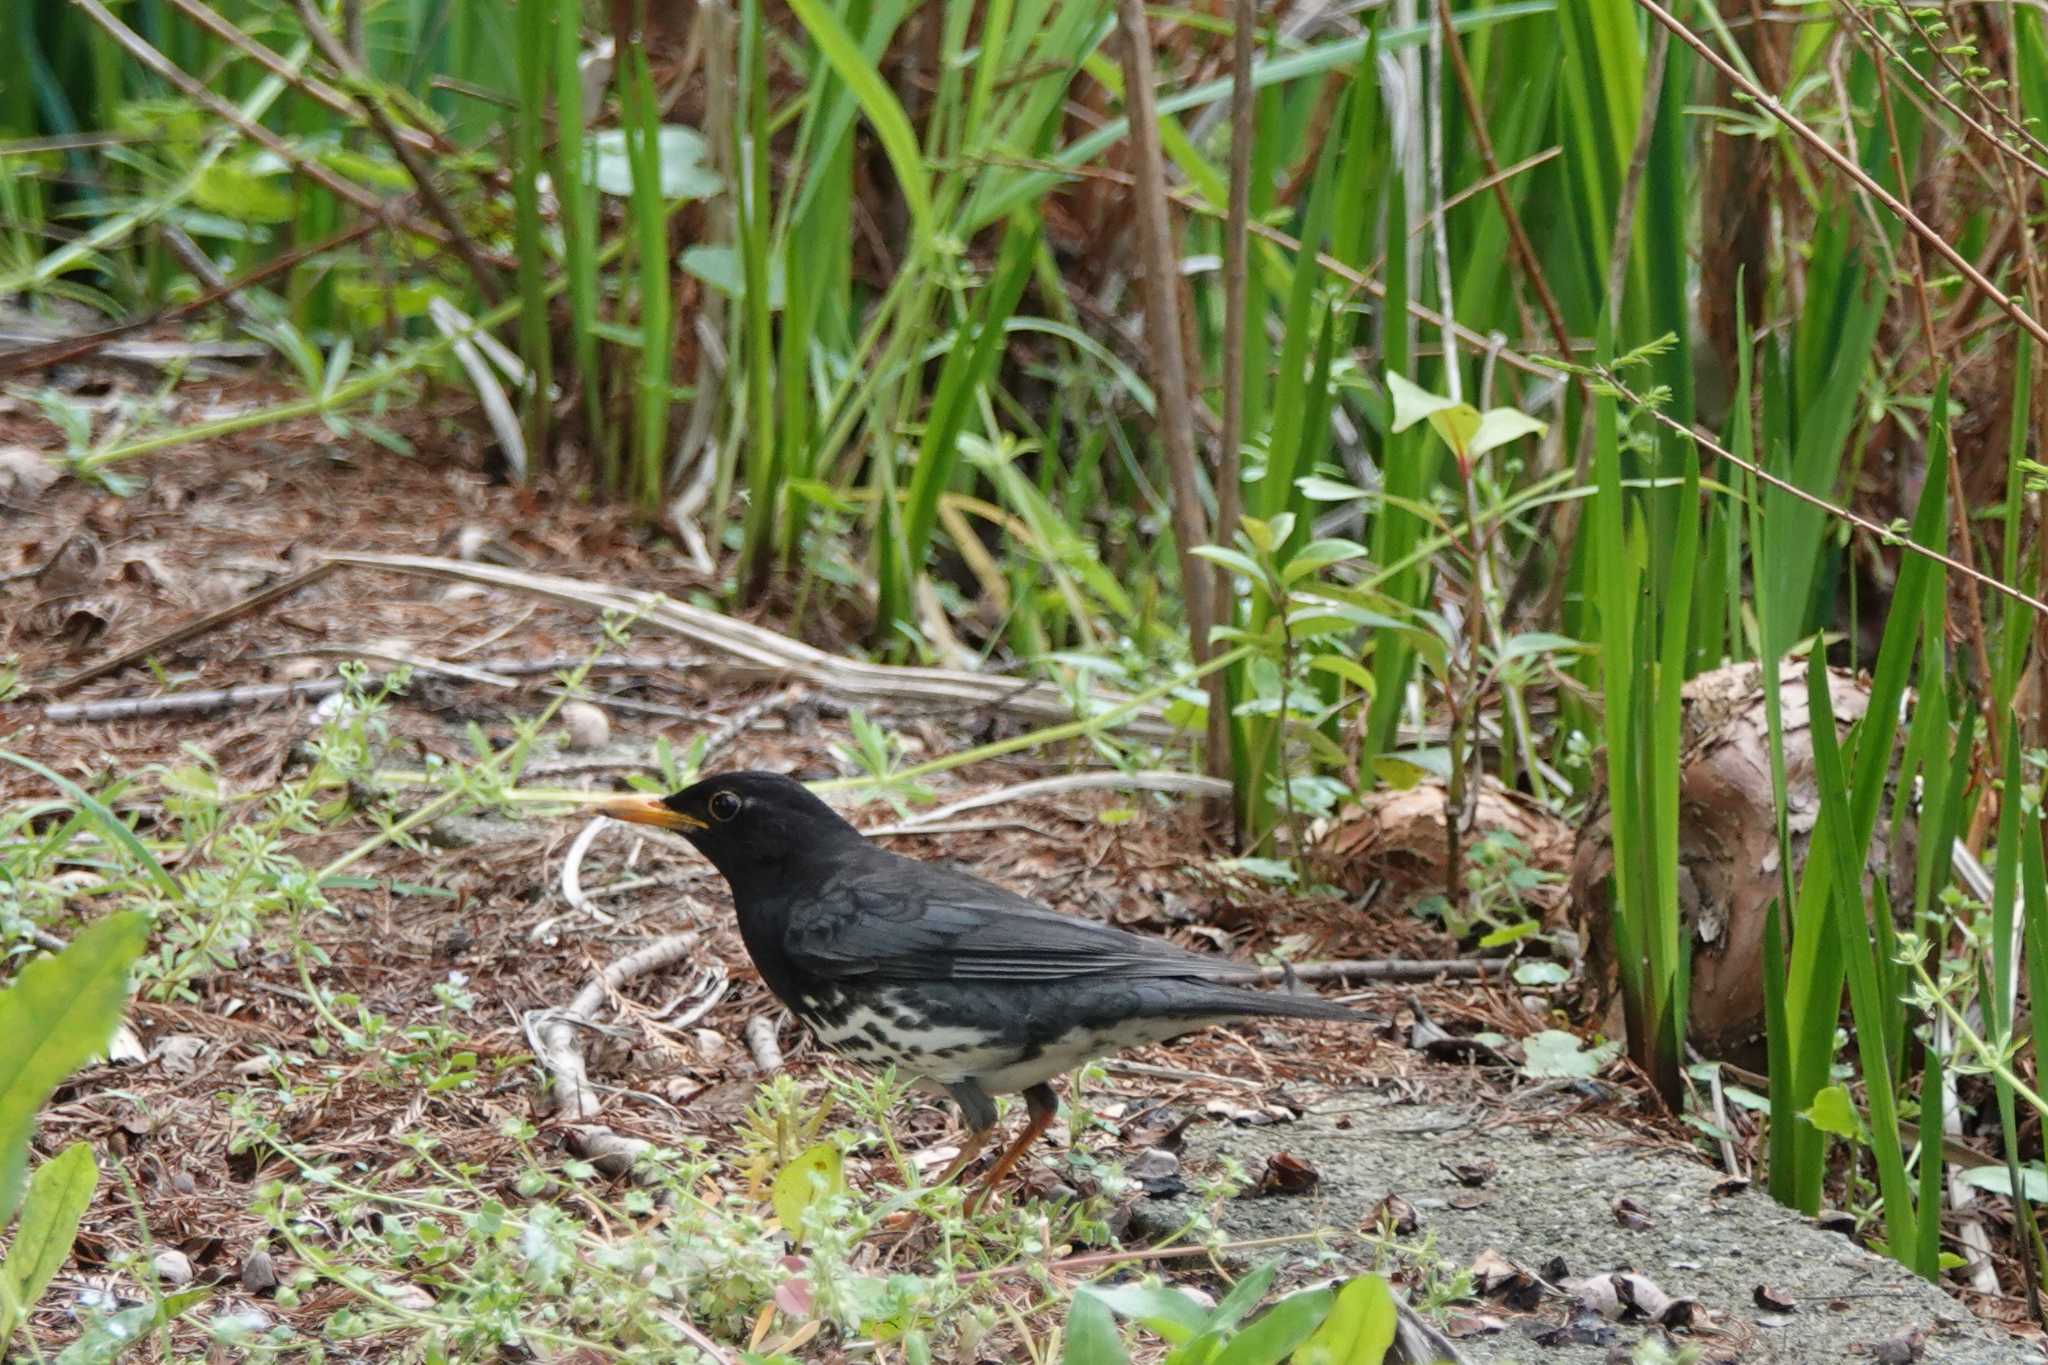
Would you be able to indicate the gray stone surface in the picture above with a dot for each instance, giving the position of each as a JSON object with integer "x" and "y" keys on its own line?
{"x": 1552, "y": 1195}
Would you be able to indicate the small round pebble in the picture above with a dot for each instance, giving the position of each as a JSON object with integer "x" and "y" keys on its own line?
{"x": 586, "y": 726}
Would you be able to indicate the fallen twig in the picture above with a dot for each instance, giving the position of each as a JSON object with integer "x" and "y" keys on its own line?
{"x": 42, "y": 352}
{"x": 956, "y": 827}
{"x": 1110, "y": 779}
{"x": 762, "y": 1043}
{"x": 189, "y": 703}
{"x": 557, "y": 1040}
{"x": 1118, "y": 1066}
{"x": 572, "y": 866}
{"x": 742, "y": 720}
{"x": 263, "y": 597}
{"x": 1385, "y": 969}
{"x": 438, "y": 207}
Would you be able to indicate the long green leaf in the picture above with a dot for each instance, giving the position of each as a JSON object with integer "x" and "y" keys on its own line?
{"x": 878, "y": 102}
{"x": 58, "y": 1015}
{"x": 1853, "y": 932}
{"x": 58, "y": 1195}
{"x": 111, "y": 825}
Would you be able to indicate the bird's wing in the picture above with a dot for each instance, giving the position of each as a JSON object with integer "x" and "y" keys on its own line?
{"x": 926, "y": 922}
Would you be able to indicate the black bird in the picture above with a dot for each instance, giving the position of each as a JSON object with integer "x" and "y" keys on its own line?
{"x": 973, "y": 989}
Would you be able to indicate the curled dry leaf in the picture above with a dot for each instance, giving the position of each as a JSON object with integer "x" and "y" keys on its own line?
{"x": 1497, "y": 1277}
{"x": 1582, "y": 1328}
{"x": 1394, "y": 1215}
{"x": 24, "y": 472}
{"x": 1627, "y": 1296}
{"x": 178, "y": 1053}
{"x": 77, "y": 566}
{"x": 793, "y": 1296}
{"x": 1598, "y": 1294}
{"x": 1398, "y": 835}
{"x": 1773, "y": 1300}
{"x": 1152, "y": 1164}
{"x": 1460, "y": 1323}
{"x": 1836, "y": 1220}
{"x": 172, "y": 1266}
{"x": 1631, "y": 1215}
{"x": 1157, "y": 1172}
{"x": 1728, "y": 852}
{"x": 125, "y": 1047}
{"x": 1471, "y": 1174}
{"x": 1286, "y": 1174}
{"x": 1250, "y": 1116}
{"x": 258, "y": 1272}
{"x": 1903, "y": 1349}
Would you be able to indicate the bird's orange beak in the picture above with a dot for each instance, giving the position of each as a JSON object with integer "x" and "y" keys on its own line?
{"x": 648, "y": 810}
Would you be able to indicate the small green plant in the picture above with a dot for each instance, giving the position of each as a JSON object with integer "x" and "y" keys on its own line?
{"x": 877, "y": 755}
{"x": 1439, "y": 1280}
{"x": 1348, "y": 1324}
{"x": 1499, "y": 882}
{"x": 1301, "y": 622}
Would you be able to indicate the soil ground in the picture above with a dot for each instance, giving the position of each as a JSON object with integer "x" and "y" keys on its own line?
{"x": 207, "y": 526}
{"x": 1549, "y": 1192}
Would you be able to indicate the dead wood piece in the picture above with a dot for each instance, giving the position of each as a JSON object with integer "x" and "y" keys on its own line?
{"x": 1728, "y": 874}
{"x": 557, "y": 1039}
{"x": 774, "y": 653}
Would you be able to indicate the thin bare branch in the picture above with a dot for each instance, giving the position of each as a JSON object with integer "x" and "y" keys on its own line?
{"x": 480, "y": 270}
{"x": 1941, "y": 246}
{"x": 1161, "y": 277}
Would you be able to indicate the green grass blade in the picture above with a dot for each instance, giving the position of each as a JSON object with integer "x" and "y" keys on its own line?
{"x": 1853, "y": 933}
{"x": 884, "y": 113}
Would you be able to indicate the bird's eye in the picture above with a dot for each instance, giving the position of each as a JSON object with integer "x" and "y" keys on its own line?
{"x": 724, "y": 805}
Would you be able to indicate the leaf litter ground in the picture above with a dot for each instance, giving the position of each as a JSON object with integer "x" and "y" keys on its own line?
{"x": 438, "y": 949}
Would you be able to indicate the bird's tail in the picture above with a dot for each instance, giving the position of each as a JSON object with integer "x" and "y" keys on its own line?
{"x": 1295, "y": 1004}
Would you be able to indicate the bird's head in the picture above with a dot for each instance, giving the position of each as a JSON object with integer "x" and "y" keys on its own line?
{"x": 744, "y": 822}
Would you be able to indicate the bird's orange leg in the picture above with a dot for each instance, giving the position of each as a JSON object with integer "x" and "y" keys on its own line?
{"x": 1043, "y": 1106}
{"x": 969, "y": 1150}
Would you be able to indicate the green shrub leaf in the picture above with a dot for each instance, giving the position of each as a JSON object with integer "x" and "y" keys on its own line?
{"x": 1091, "y": 1334}
{"x": 1358, "y": 1330}
{"x": 817, "y": 1174}
{"x": 1834, "y": 1112}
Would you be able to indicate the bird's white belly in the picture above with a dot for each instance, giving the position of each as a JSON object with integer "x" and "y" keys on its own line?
{"x": 946, "y": 1054}
{"x": 940, "y": 1052}
{"x": 1071, "y": 1050}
